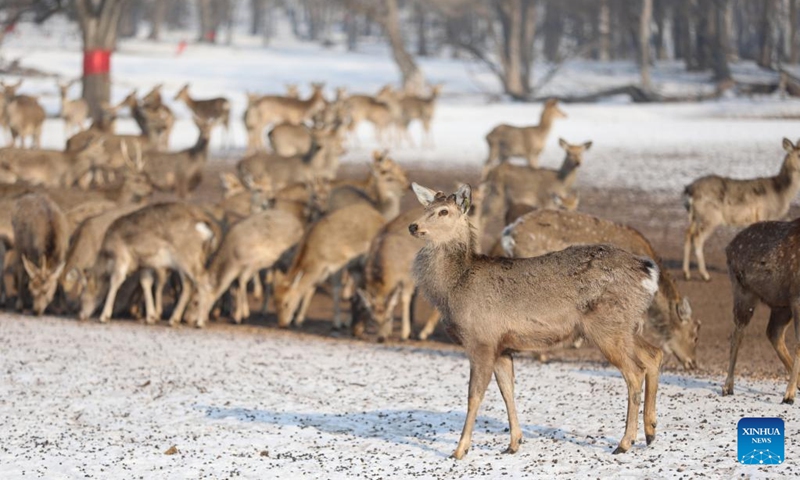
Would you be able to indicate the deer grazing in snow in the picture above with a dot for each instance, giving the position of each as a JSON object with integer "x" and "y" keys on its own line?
{"x": 670, "y": 316}
{"x": 41, "y": 237}
{"x": 763, "y": 264}
{"x": 507, "y": 141}
{"x": 74, "y": 112}
{"x": 714, "y": 201}
{"x": 495, "y": 306}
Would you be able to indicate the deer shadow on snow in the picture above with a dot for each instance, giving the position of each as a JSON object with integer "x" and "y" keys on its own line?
{"x": 424, "y": 429}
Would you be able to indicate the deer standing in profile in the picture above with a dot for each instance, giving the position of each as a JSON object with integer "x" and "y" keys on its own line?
{"x": 41, "y": 237}
{"x": 422, "y": 109}
{"x": 214, "y": 111}
{"x": 74, "y": 112}
{"x": 507, "y": 141}
{"x": 543, "y": 231}
{"x": 23, "y": 115}
{"x": 495, "y": 306}
{"x": 763, "y": 265}
{"x": 159, "y": 116}
{"x": 714, "y": 201}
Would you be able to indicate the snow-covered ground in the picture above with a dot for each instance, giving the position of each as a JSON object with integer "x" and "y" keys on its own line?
{"x": 651, "y": 147}
{"x": 107, "y": 401}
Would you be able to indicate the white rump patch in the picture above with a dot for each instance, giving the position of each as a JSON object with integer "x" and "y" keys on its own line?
{"x": 507, "y": 239}
{"x": 204, "y": 230}
{"x": 651, "y": 282}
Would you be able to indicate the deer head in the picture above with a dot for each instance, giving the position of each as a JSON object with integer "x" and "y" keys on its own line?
{"x": 446, "y": 218}
{"x": 42, "y": 282}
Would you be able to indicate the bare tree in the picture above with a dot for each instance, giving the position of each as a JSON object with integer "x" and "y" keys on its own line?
{"x": 158, "y": 12}
{"x": 794, "y": 37}
{"x": 99, "y": 22}
{"x": 645, "y": 17}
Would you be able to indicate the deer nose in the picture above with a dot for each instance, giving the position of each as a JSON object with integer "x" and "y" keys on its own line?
{"x": 413, "y": 228}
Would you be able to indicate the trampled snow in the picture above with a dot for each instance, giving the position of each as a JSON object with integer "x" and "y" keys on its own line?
{"x": 107, "y": 401}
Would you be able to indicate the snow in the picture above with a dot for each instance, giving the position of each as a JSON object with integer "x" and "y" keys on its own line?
{"x": 650, "y": 147}
{"x": 108, "y": 400}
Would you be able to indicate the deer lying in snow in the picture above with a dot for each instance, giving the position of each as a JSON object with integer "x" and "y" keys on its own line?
{"x": 160, "y": 236}
{"x": 670, "y": 315}
{"x": 507, "y": 141}
{"x": 250, "y": 246}
{"x": 763, "y": 266}
{"x": 41, "y": 236}
{"x": 495, "y": 306}
{"x": 327, "y": 247}
{"x": 713, "y": 201}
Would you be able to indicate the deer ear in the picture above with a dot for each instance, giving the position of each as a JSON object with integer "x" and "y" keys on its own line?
{"x": 464, "y": 197}
{"x": 587, "y": 145}
{"x": 30, "y": 268}
{"x": 424, "y": 195}
{"x": 787, "y": 145}
{"x": 685, "y": 310}
{"x": 57, "y": 272}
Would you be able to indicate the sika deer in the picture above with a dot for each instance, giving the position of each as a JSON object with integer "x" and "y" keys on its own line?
{"x": 74, "y": 112}
{"x": 383, "y": 188}
{"x": 24, "y": 117}
{"x": 275, "y": 109}
{"x": 41, "y": 236}
{"x": 51, "y": 168}
{"x": 182, "y": 171}
{"x": 288, "y": 140}
{"x": 160, "y": 236}
{"x": 536, "y": 187}
{"x": 329, "y": 245}
{"x": 422, "y": 109}
{"x": 670, "y": 315}
{"x": 160, "y": 119}
{"x": 509, "y": 141}
{"x": 713, "y": 201}
{"x": 322, "y": 161}
{"x": 365, "y": 107}
{"x": 495, "y": 306}
{"x": 250, "y": 246}
{"x": 763, "y": 266}
{"x": 213, "y": 111}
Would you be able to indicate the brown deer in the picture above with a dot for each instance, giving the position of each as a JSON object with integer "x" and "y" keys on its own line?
{"x": 288, "y": 140}
{"x": 763, "y": 266}
{"x": 714, "y": 201}
{"x": 181, "y": 171}
{"x": 509, "y": 184}
{"x": 495, "y": 306}
{"x": 51, "y": 168}
{"x": 322, "y": 161}
{"x": 292, "y": 90}
{"x": 251, "y": 245}
{"x": 327, "y": 247}
{"x": 382, "y": 189}
{"x": 159, "y": 236}
{"x": 507, "y": 141}
{"x": 213, "y": 111}
{"x": 160, "y": 118}
{"x": 74, "y": 112}
{"x": 422, "y": 109}
{"x": 276, "y": 109}
{"x": 367, "y": 108}
{"x": 23, "y": 115}
{"x": 670, "y": 316}
{"x": 41, "y": 237}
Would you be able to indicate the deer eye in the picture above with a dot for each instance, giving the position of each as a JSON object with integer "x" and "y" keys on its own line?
{"x": 443, "y": 213}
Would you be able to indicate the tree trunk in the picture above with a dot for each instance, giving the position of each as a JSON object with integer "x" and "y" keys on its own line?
{"x": 422, "y": 40}
{"x": 413, "y": 81}
{"x": 553, "y": 29}
{"x": 720, "y": 42}
{"x": 659, "y": 15}
{"x": 99, "y": 26}
{"x": 208, "y": 21}
{"x": 257, "y": 16}
{"x": 159, "y": 12}
{"x": 644, "y": 43}
{"x": 604, "y": 30}
{"x": 686, "y": 43}
{"x": 766, "y": 34}
{"x": 351, "y": 27}
{"x": 794, "y": 37}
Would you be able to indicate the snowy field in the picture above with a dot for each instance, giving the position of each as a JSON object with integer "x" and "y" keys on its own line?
{"x": 649, "y": 147}
{"x": 107, "y": 401}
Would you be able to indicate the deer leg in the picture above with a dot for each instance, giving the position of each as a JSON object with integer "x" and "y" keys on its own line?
{"x": 242, "y": 309}
{"x": 699, "y": 241}
{"x": 791, "y": 389}
{"x": 744, "y": 304}
{"x": 146, "y": 282}
{"x": 426, "y": 127}
{"x": 430, "y": 325}
{"x": 651, "y": 357}
{"x": 337, "y": 300}
{"x": 687, "y": 251}
{"x": 162, "y": 275}
{"x": 481, "y": 365}
{"x": 305, "y": 302}
{"x": 779, "y": 319}
{"x": 258, "y": 286}
{"x": 405, "y": 303}
{"x": 504, "y": 375}
{"x": 117, "y": 277}
{"x": 183, "y": 300}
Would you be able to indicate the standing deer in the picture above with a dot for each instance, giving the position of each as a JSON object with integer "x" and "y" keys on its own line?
{"x": 41, "y": 237}
{"x": 23, "y": 115}
{"x": 509, "y": 141}
{"x": 763, "y": 266}
{"x": 543, "y": 231}
{"x": 714, "y": 201}
{"x": 159, "y": 116}
{"x": 213, "y": 111}
{"x": 181, "y": 171}
{"x": 74, "y": 112}
{"x": 327, "y": 247}
{"x": 383, "y": 188}
{"x": 422, "y": 109}
{"x": 251, "y": 245}
{"x": 495, "y": 306}
{"x": 509, "y": 185}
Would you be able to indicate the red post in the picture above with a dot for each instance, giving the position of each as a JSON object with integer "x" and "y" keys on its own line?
{"x": 96, "y": 62}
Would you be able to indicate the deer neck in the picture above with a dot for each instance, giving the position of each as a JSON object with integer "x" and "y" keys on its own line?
{"x": 546, "y": 121}
{"x": 787, "y": 182}
{"x": 189, "y": 102}
{"x": 438, "y": 269}
{"x": 568, "y": 173}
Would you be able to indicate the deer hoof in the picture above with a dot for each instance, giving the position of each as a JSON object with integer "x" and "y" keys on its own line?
{"x": 650, "y": 438}
{"x": 788, "y": 401}
{"x": 619, "y": 450}
{"x": 727, "y": 391}
{"x": 458, "y": 455}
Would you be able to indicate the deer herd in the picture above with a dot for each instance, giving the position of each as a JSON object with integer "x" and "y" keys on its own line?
{"x": 80, "y": 233}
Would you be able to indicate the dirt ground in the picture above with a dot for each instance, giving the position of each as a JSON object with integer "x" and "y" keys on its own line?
{"x": 660, "y": 217}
